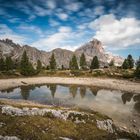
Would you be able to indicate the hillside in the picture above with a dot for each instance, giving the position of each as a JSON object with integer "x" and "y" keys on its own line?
{"x": 63, "y": 56}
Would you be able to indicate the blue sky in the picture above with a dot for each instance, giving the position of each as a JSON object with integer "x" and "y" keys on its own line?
{"x": 67, "y": 24}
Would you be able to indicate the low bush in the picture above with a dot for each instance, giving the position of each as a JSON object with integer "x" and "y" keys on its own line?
{"x": 76, "y": 73}
{"x": 128, "y": 74}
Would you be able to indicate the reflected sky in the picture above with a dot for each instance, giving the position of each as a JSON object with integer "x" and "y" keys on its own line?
{"x": 113, "y": 103}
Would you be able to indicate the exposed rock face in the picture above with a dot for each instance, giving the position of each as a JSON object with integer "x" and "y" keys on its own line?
{"x": 63, "y": 56}
{"x": 75, "y": 116}
{"x": 117, "y": 59}
{"x": 91, "y": 49}
{"x": 62, "y": 114}
{"x": 106, "y": 125}
{"x": 9, "y": 138}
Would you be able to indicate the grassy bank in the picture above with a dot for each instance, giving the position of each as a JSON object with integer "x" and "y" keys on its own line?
{"x": 49, "y": 127}
{"x": 103, "y": 73}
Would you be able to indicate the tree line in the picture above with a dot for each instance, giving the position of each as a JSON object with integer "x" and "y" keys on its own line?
{"x": 129, "y": 63}
{"x": 26, "y": 68}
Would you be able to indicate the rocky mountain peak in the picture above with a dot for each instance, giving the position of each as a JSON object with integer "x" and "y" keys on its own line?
{"x": 63, "y": 56}
{"x": 91, "y": 49}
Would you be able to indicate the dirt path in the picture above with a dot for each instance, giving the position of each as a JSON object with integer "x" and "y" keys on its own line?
{"x": 107, "y": 83}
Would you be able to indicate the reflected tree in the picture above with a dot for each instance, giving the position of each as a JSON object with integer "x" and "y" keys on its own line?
{"x": 136, "y": 98}
{"x": 73, "y": 90}
{"x": 126, "y": 97}
{"x": 53, "y": 88}
{"x": 94, "y": 90}
{"x": 137, "y": 107}
{"x": 25, "y": 91}
{"x": 8, "y": 90}
{"x": 83, "y": 91}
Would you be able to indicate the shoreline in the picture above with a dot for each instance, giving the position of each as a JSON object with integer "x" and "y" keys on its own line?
{"x": 116, "y": 84}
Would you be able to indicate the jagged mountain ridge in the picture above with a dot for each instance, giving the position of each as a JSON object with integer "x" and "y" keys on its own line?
{"x": 63, "y": 56}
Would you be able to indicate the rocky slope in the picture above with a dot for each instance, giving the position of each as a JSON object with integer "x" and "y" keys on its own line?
{"x": 63, "y": 56}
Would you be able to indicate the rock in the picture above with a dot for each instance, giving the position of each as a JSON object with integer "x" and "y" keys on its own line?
{"x": 2, "y": 124}
{"x": 134, "y": 121}
{"x": 65, "y": 138}
{"x": 63, "y": 56}
{"x": 106, "y": 125}
{"x": 9, "y": 138}
{"x": 62, "y": 114}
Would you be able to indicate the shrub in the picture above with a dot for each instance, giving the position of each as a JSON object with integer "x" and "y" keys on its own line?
{"x": 76, "y": 73}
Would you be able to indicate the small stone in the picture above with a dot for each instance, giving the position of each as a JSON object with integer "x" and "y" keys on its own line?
{"x": 105, "y": 125}
{"x": 2, "y": 124}
{"x": 134, "y": 121}
{"x": 9, "y": 138}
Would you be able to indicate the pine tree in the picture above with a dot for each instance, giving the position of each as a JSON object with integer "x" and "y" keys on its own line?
{"x": 94, "y": 63}
{"x": 137, "y": 71}
{"x": 62, "y": 67}
{"x": 125, "y": 64}
{"x": 2, "y": 64}
{"x": 9, "y": 65}
{"x": 73, "y": 63}
{"x": 26, "y": 67}
{"x": 111, "y": 64}
{"x": 39, "y": 66}
{"x": 83, "y": 61}
{"x": 130, "y": 61}
{"x": 52, "y": 62}
{"x": 70, "y": 64}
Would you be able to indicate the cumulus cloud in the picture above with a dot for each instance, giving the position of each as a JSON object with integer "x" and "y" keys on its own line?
{"x": 117, "y": 33}
{"x": 30, "y": 28}
{"x": 6, "y": 32}
{"x": 62, "y": 16}
{"x": 74, "y": 6}
{"x": 64, "y": 29}
{"x": 61, "y": 39}
{"x": 99, "y": 10}
{"x": 53, "y": 22}
{"x": 51, "y": 4}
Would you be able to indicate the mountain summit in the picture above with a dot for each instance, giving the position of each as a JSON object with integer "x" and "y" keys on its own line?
{"x": 63, "y": 56}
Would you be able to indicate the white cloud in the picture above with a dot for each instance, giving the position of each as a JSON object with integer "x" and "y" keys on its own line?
{"x": 53, "y": 22}
{"x": 116, "y": 34}
{"x": 62, "y": 16}
{"x": 51, "y": 4}
{"x": 40, "y": 11}
{"x": 99, "y": 10}
{"x": 82, "y": 26}
{"x": 62, "y": 39}
{"x": 6, "y": 32}
{"x": 4, "y": 29}
{"x": 15, "y": 38}
{"x": 30, "y": 28}
{"x": 74, "y": 6}
{"x": 64, "y": 29}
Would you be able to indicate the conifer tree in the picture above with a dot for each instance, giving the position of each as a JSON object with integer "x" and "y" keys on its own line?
{"x": 52, "y": 62}
{"x": 83, "y": 61}
{"x": 26, "y": 67}
{"x": 39, "y": 66}
{"x": 137, "y": 71}
{"x": 9, "y": 64}
{"x": 125, "y": 64}
{"x": 73, "y": 63}
{"x": 62, "y": 67}
{"x": 111, "y": 64}
{"x": 130, "y": 61}
{"x": 2, "y": 64}
{"x": 94, "y": 63}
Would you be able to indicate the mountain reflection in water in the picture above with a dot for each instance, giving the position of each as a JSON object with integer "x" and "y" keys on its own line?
{"x": 74, "y": 95}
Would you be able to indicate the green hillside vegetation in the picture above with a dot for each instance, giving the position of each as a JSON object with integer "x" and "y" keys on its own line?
{"x": 13, "y": 68}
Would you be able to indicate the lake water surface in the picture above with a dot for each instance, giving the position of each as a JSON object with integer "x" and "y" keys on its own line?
{"x": 122, "y": 107}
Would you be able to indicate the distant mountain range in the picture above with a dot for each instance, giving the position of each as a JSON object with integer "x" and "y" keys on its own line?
{"x": 63, "y": 56}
